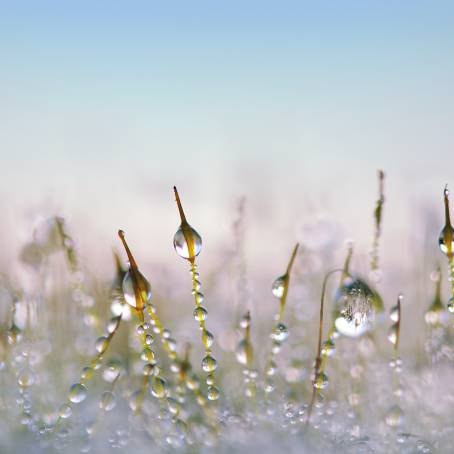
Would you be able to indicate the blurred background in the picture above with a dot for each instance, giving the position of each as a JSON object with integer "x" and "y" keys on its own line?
{"x": 104, "y": 106}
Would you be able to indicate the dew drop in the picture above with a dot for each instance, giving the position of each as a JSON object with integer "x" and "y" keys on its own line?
{"x": 244, "y": 352}
{"x": 451, "y": 305}
{"x": 187, "y": 242}
{"x": 149, "y": 339}
{"x": 209, "y": 364}
{"x": 328, "y": 348}
{"x": 25, "y": 379}
{"x": 280, "y": 333}
{"x": 158, "y": 387}
{"x": 392, "y": 334}
{"x": 213, "y": 393}
{"x": 65, "y": 411}
{"x": 147, "y": 355}
{"x": 113, "y": 324}
{"x": 207, "y": 338}
{"x": 101, "y": 344}
{"x": 278, "y": 286}
{"x": 87, "y": 373}
{"x": 143, "y": 286}
{"x": 395, "y": 416}
{"x": 200, "y": 313}
{"x": 394, "y": 314}
{"x": 321, "y": 381}
{"x": 446, "y": 232}
{"x": 108, "y": 401}
{"x": 77, "y": 393}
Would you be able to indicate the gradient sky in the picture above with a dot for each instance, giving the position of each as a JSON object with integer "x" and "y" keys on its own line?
{"x": 105, "y": 105}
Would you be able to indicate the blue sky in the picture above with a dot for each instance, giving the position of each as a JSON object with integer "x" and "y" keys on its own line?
{"x": 120, "y": 100}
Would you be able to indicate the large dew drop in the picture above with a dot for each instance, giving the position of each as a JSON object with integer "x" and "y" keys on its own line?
{"x": 143, "y": 286}
{"x": 278, "y": 286}
{"x": 187, "y": 242}
{"x": 77, "y": 393}
{"x": 447, "y": 232}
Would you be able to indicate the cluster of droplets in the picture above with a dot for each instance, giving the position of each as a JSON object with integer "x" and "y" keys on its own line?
{"x": 188, "y": 245}
{"x": 245, "y": 356}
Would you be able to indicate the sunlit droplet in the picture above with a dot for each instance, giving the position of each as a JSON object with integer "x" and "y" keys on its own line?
{"x": 187, "y": 242}
{"x": 200, "y": 313}
{"x": 278, "y": 286}
{"x": 321, "y": 381}
{"x": 144, "y": 289}
{"x": 280, "y": 333}
{"x": 209, "y": 364}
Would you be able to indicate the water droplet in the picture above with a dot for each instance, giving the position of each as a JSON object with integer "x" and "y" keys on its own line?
{"x": 278, "y": 286}
{"x": 321, "y": 381}
{"x": 144, "y": 289}
{"x": 108, "y": 401}
{"x": 280, "y": 333}
{"x": 111, "y": 371}
{"x": 392, "y": 334}
{"x": 207, "y": 338}
{"x": 14, "y": 335}
{"x": 395, "y": 416}
{"x": 451, "y": 305}
{"x": 245, "y": 321}
{"x": 209, "y": 364}
{"x": 158, "y": 387}
{"x": 101, "y": 344}
{"x": 271, "y": 368}
{"x": 244, "y": 352}
{"x": 328, "y": 348}
{"x": 65, "y": 411}
{"x": 394, "y": 314}
{"x": 446, "y": 232}
{"x": 135, "y": 400}
{"x": 149, "y": 369}
{"x": 187, "y": 242}
{"x": 113, "y": 324}
{"x": 26, "y": 378}
{"x": 200, "y": 314}
{"x": 149, "y": 339}
{"x": 77, "y": 393}
{"x": 87, "y": 373}
{"x": 213, "y": 393}
{"x": 147, "y": 355}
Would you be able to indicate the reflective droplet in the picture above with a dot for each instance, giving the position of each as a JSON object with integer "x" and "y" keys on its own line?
{"x": 187, "y": 242}
{"x": 321, "y": 381}
{"x": 271, "y": 368}
{"x": 111, "y": 371}
{"x": 213, "y": 393}
{"x": 135, "y": 400}
{"x": 278, "y": 286}
{"x": 149, "y": 339}
{"x": 108, "y": 401}
{"x": 101, "y": 344}
{"x": 280, "y": 333}
{"x": 144, "y": 289}
{"x": 77, "y": 393}
{"x": 200, "y": 313}
{"x": 147, "y": 355}
{"x": 14, "y": 335}
{"x": 395, "y": 416}
{"x": 158, "y": 387}
{"x": 245, "y": 321}
{"x": 149, "y": 369}
{"x": 87, "y": 373}
{"x": 209, "y": 364}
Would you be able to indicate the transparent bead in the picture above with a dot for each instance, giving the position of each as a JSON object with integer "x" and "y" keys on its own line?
{"x": 144, "y": 289}
{"x": 395, "y": 416}
{"x": 113, "y": 324}
{"x": 187, "y": 242}
{"x": 207, "y": 338}
{"x": 392, "y": 334}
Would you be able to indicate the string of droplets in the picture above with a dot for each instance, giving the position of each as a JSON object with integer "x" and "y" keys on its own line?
{"x": 245, "y": 356}
{"x": 280, "y": 331}
{"x": 188, "y": 245}
{"x": 395, "y": 415}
